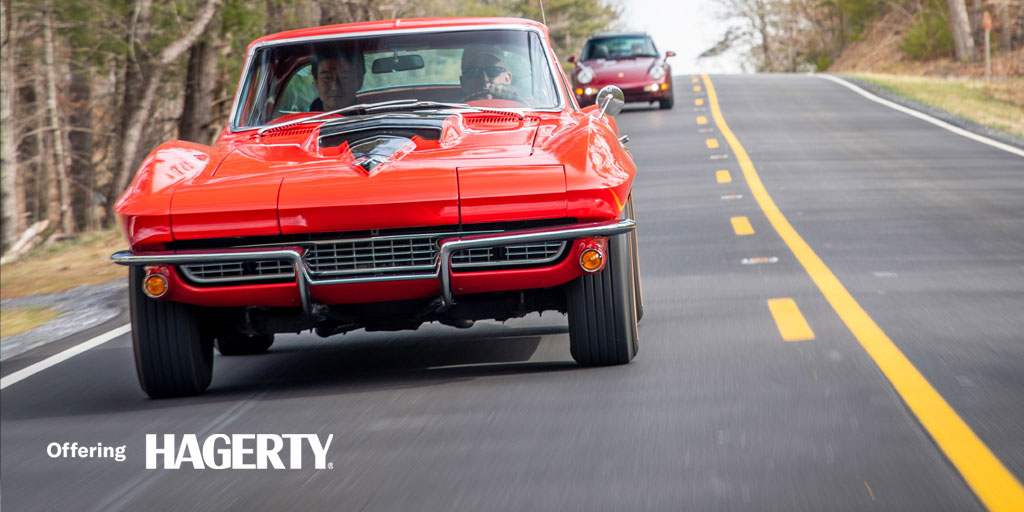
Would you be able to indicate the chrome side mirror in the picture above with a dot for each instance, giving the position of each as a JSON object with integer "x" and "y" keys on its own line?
{"x": 611, "y": 100}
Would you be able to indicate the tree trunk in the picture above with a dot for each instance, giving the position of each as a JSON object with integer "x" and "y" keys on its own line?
{"x": 133, "y": 134}
{"x": 57, "y": 133}
{"x": 11, "y": 206}
{"x": 762, "y": 18}
{"x": 1006, "y": 32}
{"x": 80, "y": 145}
{"x": 961, "y": 28}
{"x": 200, "y": 80}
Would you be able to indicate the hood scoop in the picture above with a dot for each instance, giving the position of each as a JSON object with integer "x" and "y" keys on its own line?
{"x": 357, "y": 128}
{"x": 377, "y": 149}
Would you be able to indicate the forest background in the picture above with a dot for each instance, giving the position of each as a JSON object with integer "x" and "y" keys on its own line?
{"x": 89, "y": 87}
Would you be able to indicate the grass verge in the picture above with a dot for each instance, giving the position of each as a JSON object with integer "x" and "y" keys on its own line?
{"x": 64, "y": 265}
{"x": 998, "y": 104}
{"x": 18, "y": 320}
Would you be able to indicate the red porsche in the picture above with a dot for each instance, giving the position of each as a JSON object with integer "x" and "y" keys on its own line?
{"x": 378, "y": 176}
{"x": 627, "y": 60}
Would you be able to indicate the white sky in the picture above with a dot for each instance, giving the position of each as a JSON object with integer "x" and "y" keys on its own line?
{"x": 687, "y": 27}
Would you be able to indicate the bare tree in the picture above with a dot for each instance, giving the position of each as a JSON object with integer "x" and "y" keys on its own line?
{"x": 963, "y": 43}
{"x": 57, "y": 134}
{"x": 137, "y": 119}
{"x": 8, "y": 149}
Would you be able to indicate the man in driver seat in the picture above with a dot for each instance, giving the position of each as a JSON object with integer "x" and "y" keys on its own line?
{"x": 485, "y": 75}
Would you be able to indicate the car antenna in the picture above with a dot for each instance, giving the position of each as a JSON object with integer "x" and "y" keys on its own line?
{"x": 543, "y": 18}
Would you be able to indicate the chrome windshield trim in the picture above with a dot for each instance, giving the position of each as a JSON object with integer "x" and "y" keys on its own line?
{"x": 554, "y": 75}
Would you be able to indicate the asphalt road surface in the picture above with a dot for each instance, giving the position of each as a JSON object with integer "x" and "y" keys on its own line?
{"x": 923, "y": 228}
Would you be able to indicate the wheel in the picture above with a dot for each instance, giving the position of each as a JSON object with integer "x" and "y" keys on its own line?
{"x": 239, "y": 344}
{"x": 636, "y": 263}
{"x": 667, "y": 103}
{"x": 173, "y": 354}
{"x": 602, "y": 310}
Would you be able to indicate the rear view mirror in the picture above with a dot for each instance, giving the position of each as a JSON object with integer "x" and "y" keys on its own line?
{"x": 397, "y": 63}
{"x": 572, "y": 59}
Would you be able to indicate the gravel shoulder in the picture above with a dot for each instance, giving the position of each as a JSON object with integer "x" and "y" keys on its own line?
{"x": 80, "y": 308}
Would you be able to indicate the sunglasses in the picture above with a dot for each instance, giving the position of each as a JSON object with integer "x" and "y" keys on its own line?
{"x": 491, "y": 71}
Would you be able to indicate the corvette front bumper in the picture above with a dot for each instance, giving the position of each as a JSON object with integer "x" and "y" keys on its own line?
{"x": 442, "y": 268}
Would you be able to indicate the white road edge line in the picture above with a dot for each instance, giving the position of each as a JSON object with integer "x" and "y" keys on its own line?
{"x": 58, "y": 358}
{"x": 920, "y": 115}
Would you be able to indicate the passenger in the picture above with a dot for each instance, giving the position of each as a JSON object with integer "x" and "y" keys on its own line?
{"x": 485, "y": 75}
{"x": 337, "y": 75}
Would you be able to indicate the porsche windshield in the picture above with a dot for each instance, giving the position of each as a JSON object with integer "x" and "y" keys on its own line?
{"x": 622, "y": 47}
{"x": 481, "y": 68}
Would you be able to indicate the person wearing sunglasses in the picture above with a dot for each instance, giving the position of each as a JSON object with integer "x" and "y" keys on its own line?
{"x": 485, "y": 75}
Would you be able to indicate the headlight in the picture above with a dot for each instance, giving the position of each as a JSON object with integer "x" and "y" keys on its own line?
{"x": 585, "y": 76}
{"x": 657, "y": 72}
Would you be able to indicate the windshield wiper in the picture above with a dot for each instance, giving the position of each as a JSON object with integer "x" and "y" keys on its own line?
{"x": 366, "y": 108}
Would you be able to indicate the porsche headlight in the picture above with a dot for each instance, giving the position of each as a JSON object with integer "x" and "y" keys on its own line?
{"x": 585, "y": 76}
{"x": 657, "y": 72}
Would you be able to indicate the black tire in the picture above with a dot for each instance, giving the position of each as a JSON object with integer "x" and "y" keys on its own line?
{"x": 636, "y": 263}
{"x": 666, "y": 104}
{"x": 238, "y": 344}
{"x": 173, "y": 354}
{"x": 602, "y": 310}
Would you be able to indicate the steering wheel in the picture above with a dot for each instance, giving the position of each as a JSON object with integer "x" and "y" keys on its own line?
{"x": 504, "y": 92}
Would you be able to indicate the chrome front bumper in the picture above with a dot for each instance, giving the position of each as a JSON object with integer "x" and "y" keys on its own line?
{"x": 442, "y": 268}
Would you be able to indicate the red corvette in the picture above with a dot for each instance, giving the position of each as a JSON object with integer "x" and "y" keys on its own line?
{"x": 381, "y": 175}
{"x": 627, "y": 60}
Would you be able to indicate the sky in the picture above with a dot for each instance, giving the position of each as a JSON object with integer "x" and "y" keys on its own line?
{"x": 687, "y": 27}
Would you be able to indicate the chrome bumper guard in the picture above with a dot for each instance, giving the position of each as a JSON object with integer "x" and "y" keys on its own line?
{"x": 442, "y": 270}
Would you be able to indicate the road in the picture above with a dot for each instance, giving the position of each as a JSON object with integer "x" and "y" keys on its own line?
{"x": 923, "y": 229}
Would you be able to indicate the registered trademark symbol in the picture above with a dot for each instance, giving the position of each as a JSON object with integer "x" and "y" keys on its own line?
{"x": 330, "y": 465}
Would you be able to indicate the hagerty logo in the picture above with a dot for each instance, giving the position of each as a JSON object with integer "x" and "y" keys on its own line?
{"x": 236, "y": 451}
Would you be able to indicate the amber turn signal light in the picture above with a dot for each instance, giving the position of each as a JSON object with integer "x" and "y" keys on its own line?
{"x": 591, "y": 259}
{"x": 154, "y": 286}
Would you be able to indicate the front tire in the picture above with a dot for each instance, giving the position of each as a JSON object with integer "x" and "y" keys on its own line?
{"x": 173, "y": 354}
{"x": 667, "y": 103}
{"x": 602, "y": 310}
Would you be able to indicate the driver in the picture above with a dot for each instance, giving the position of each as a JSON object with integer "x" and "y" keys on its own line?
{"x": 337, "y": 75}
{"x": 485, "y": 75}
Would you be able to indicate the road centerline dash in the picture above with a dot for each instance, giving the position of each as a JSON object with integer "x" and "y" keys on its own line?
{"x": 983, "y": 472}
{"x": 790, "y": 321}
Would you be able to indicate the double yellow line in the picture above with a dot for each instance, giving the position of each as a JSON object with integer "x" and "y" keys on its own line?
{"x": 994, "y": 485}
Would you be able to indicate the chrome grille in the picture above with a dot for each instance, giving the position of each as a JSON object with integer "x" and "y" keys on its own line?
{"x": 518, "y": 254}
{"x": 374, "y": 255}
{"x": 238, "y": 271}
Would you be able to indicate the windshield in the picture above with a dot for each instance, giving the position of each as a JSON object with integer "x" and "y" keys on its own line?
{"x": 481, "y": 68}
{"x": 623, "y": 47}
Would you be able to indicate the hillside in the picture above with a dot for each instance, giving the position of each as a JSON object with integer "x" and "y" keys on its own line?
{"x": 878, "y": 51}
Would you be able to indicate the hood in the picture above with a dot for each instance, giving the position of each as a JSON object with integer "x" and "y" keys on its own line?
{"x": 375, "y": 174}
{"x": 621, "y": 70}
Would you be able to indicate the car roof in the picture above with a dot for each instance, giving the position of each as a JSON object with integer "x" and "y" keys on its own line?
{"x": 397, "y": 24}
{"x": 607, "y": 35}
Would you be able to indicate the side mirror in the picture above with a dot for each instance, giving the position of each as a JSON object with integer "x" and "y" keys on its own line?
{"x": 572, "y": 59}
{"x": 670, "y": 54}
{"x": 611, "y": 100}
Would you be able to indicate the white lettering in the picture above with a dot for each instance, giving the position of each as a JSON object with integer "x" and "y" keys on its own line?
{"x": 265, "y": 454}
{"x": 189, "y": 451}
{"x": 221, "y": 451}
{"x": 319, "y": 450}
{"x": 152, "y": 451}
{"x": 238, "y": 444}
{"x": 217, "y": 459}
{"x": 50, "y": 452}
